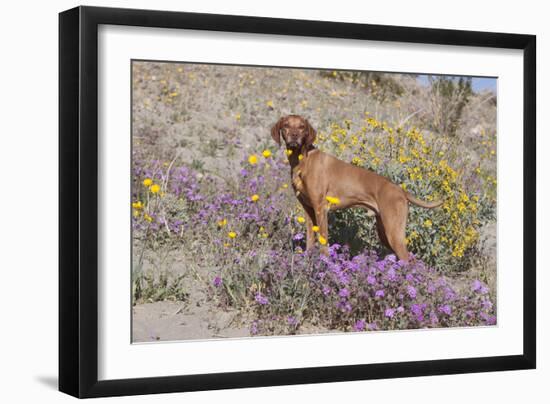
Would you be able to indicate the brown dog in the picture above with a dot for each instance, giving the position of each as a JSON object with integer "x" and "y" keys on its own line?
{"x": 323, "y": 183}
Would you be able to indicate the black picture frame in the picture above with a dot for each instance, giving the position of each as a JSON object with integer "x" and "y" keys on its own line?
{"x": 78, "y": 201}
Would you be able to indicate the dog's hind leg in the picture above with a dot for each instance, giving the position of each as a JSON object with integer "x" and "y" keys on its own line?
{"x": 395, "y": 222}
{"x": 381, "y": 232}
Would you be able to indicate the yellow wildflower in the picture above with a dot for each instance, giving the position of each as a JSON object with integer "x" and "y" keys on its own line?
{"x": 333, "y": 200}
{"x": 315, "y": 229}
{"x": 154, "y": 188}
{"x": 269, "y": 104}
{"x": 266, "y": 153}
{"x": 147, "y": 182}
{"x": 222, "y": 222}
{"x": 427, "y": 223}
{"x": 253, "y": 159}
{"x": 231, "y": 234}
{"x": 301, "y": 219}
{"x": 300, "y": 157}
{"x": 136, "y": 213}
{"x": 322, "y": 240}
{"x": 147, "y": 217}
{"x": 288, "y": 152}
{"x": 254, "y": 197}
{"x": 137, "y": 205}
{"x": 238, "y": 117}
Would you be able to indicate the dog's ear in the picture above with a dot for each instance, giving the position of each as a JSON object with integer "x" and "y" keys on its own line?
{"x": 311, "y": 134}
{"x": 276, "y": 131}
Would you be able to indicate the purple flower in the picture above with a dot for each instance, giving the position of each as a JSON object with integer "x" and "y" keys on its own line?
{"x": 217, "y": 281}
{"x": 487, "y": 304}
{"x": 372, "y": 326}
{"x": 359, "y": 325}
{"x": 326, "y": 290}
{"x": 449, "y": 294}
{"x": 261, "y": 299}
{"x": 431, "y": 288}
{"x": 489, "y": 320}
{"x": 343, "y": 292}
{"x": 298, "y": 236}
{"x": 411, "y": 291}
{"x": 371, "y": 280}
{"x": 418, "y": 312}
{"x": 445, "y": 309}
{"x": 291, "y": 320}
{"x": 391, "y": 274}
{"x": 433, "y": 318}
{"x": 476, "y": 285}
{"x": 389, "y": 313}
{"x": 379, "y": 293}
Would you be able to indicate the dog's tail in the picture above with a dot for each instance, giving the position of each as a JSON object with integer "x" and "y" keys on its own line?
{"x": 420, "y": 202}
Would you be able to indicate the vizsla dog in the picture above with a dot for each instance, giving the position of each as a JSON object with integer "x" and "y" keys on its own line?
{"x": 323, "y": 183}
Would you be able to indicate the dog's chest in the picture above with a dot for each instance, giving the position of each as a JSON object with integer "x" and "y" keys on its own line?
{"x": 298, "y": 183}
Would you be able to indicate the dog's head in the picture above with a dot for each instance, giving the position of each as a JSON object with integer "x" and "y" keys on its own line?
{"x": 295, "y": 130}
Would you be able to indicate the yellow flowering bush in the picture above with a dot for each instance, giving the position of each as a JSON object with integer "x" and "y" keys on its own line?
{"x": 445, "y": 237}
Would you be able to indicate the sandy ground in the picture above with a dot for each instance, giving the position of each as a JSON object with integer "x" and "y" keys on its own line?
{"x": 176, "y": 321}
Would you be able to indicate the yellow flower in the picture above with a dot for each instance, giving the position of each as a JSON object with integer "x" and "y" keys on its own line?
{"x": 315, "y": 229}
{"x": 136, "y": 213}
{"x": 253, "y": 159}
{"x": 300, "y": 157}
{"x": 254, "y": 197}
{"x": 266, "y": 153}
{"x": 288, "y": 152}
{"x": 137, "y": 205}
{"x": 269, "y": 104}
{"x": 154, "y": 188}
{"x": 147, "y": 217}
{"x": 238, "y": 117}
{"x": 231, "y": 234}
{"x": 265, "y": 235}
{"x": 147, "y": 182}
{"x": 226, "y": 245}
{"x": 222, "y": 223}
{"x": 322, "y": 240}
{"x": 333, "y": 200}
{"x": 285, "y": 186}
{"x": 300, "y": 219}
{"x": 427, "y": 223}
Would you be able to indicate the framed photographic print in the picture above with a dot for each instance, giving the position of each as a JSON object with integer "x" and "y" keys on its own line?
{"x": 251, "y": 201}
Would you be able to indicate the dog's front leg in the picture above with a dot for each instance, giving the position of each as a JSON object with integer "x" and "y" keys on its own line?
{"x": 321, "y": 217}
{"x": 310, "y": 222}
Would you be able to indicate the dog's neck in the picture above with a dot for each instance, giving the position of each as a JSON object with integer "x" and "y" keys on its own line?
{"x": 299, "y": 155}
